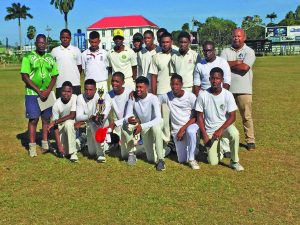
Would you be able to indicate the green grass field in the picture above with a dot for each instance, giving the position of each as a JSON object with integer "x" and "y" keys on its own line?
{"x": 49, "y": 190}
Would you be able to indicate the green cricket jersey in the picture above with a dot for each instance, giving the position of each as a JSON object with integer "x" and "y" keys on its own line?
{"x": 40, "y": 70}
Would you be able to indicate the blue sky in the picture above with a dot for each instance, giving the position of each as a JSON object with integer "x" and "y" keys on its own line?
{"x": 164, "y": 13}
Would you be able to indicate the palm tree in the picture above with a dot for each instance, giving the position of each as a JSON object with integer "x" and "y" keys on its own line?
{"x": 271, "y": 16}
{"x": 16, "y": 11}
{"x": 64, "y": 7}
{"x": 31, "y": 31}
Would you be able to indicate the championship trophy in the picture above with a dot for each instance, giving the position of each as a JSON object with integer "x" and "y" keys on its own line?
{"x": 100, "y": 107}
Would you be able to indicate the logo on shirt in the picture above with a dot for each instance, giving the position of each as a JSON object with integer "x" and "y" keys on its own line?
{"x": 222, "y": 107}
{"x": 123, "y": 57}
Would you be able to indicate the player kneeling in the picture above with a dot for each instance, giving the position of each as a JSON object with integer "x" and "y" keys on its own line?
{"x": 63, "y": 119}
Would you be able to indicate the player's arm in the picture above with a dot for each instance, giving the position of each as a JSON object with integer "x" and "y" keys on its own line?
{"x": 196, "y": 89}
{"x": 134, "y": 72}
{"x": 29, "y": 83}
{"x": 154, "y": 83}
{"x": 182, "y": 130}
{"x": 239, "y": 67}
{"x": 230, "y": 120}
{"x": 201, "y": 124}
{"x": 45, "y": 93}
{"x": 197, "y": 81}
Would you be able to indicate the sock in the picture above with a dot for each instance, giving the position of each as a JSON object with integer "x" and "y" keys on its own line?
{"x": 45, "y": 145}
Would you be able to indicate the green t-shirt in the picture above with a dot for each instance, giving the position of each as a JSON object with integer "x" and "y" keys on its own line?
{"x": 40, "y": 70}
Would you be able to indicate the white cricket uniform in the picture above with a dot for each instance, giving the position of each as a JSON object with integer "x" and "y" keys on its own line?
{"x": 123, "y": 62}
{"x": 85, "y": 109}
{"x": 181, "y": 112}
{"x": 67, "y": 60}
{"x": 184, "y": 66}
{"x": 144, "y": 60}
{"x": 147, "y": 110}
{"x": 95, "y": 66}
{"x": 66, "y": 129}
{"x": 202, "y": 70}
{"x": 215, "y": 110}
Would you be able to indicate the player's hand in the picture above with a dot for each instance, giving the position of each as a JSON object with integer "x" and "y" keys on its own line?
{"x": 45, "y": 94}
{"x": 132, "y": 95}
{"x": 180, "y": 134}
{"x": 206, "y": 139}
{"x": 132, "y": 120}
{"x": 51, "y": 124}
{"x": 218, "y": 134}
{"x": 137, "y": 129}
{"x": 112, "y": 126}
{"x": 78, "y": 124}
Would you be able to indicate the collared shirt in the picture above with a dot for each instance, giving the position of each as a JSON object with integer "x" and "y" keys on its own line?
{"x": 95, "y": 65}
{"x": 184, "y": 66}
{"x": 67, "y": 60}
{"x": 203, "y": 68}
{"x": 40, "y": 69}
{"x": 160, "y": 65}
{"x": 144, "y": 61}
{"x": 240, "y": 84}
{"x": 122, "y": 61}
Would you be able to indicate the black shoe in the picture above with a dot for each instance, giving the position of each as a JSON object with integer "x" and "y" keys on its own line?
{"x": 251, "y": 146}
{"x": 227, "y": 155}
{"x": 160, "y": 166}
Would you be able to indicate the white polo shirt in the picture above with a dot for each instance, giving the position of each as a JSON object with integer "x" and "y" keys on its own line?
{"x": 203, "y": 68}
{"x": 95, "y": 65}
{"x": 122, "y": 61}
{"x": 184, "y": 66}
{"x": 61, "y": 109}
{"x": 160, "y": 65}
{"x": 67, "y": 60}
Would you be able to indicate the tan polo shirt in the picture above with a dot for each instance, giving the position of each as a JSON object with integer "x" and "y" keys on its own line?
{"x": 160, "y": 65}
{"x": 184, "y": 66}
{"x": 123, "y": 61}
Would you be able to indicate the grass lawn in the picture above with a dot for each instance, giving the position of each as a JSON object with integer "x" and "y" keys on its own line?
{"x": 49, "y": 190}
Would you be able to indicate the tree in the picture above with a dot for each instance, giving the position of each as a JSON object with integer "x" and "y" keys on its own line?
{"x": 64, "y": 7}
{"x": 271, "y": 16}
{"x": 217, "y": 30}
{"x": 290, "y": 19}
{"x": 297, "y": 13}
{"x": 16, "y": 11}
{"x": 253, "y": 27}
{"x": 31, "y": 31}
{"x": 186, "y": 27}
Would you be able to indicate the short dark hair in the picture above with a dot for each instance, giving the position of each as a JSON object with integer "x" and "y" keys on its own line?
{"x": 184, "y": 34}
{"x": 176, "y": 77}
{"x": 90, "y": 82}
{"x": 67, "y": 84}
{"x": 137, "y": 37}
{"x": 119, "y": 74}
{"x": 216, "y": 70}
{"x": 149, "y": 32}
{"x": 208, "y": 43}
{"x": 164, "y": 30}
{"x": 94, "y": 34}
{"x": 166, "y": 34}
{"x": 142, "y": 80}
{"x": 40, "y": 36}
{"x": 65, "y": 31}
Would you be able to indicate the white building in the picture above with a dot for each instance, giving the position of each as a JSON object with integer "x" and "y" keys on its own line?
{"x": 129, "y": 24}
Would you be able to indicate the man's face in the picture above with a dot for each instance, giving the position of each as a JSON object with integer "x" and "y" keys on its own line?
{"x": 65, "y": 39}
{"x": 41, "y": 44}
{"x": 166, "y": 44}
{"x": 141, "y": 89}
{"x": 209, "y": 52}
{"x": 238, "y": 38}
{"x": 117, "y": 83}
{"x": 148, "y": 40}
{"x": 94, "y": 43}
{"x": 216, "y": 80}
{"x": 137, "y": 44}
{"x": 184, "y": 44}
{"x": 118, "y": 41}
{"x": 176, "y": 86}
{"x": 89, "y": 91}
{"x": 66, "y": 93}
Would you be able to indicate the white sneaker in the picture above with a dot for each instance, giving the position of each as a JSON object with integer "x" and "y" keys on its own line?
{"x": 74, "y": 157}
{"x": 236, "y": 166}
{"x": 194, "y": 165}
{"x": 101, "y": 159}
{"x": 32, "y": 153}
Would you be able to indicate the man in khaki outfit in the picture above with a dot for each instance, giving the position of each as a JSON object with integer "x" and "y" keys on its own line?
{"x": 241, "y": 58}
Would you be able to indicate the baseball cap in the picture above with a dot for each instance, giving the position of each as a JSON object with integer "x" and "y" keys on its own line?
{"x": 137, "y": 37}
{"x": 118, "y": 32}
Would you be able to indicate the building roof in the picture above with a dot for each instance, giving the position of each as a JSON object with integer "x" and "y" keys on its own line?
{"x": 122, "y": 22}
